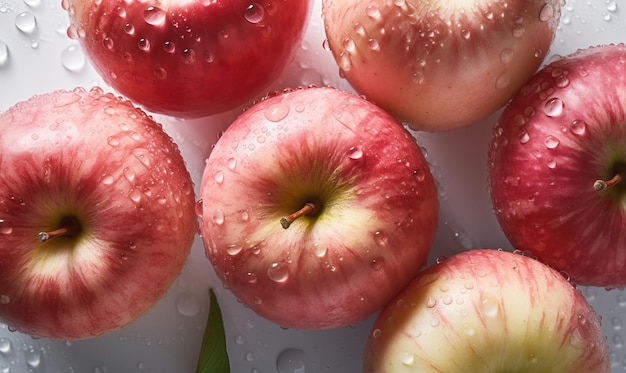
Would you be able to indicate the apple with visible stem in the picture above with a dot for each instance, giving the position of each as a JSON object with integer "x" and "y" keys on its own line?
{"x": 96, "y": 214}
{"x": 317, "y": 207}
{"x": 188, "y": 58}
{"x": 488, "y": 311}
{"x": 557, "y": 162}
{"x": 439, "y": 65}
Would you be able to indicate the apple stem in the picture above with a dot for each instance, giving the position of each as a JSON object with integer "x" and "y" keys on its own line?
{"x": 600, "y": 185}
{"x": 69, "y": 227}
{"x": 308, "y": 208}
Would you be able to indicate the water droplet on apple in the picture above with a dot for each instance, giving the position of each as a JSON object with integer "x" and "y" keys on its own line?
{"x": 113, "y": 141}
{"x": 344, "y": 62}
{"x": 73, "y": 59}
{"x": 169, "y": 47}
{"x": 373, "y": 12}
{"x": 551, "y": 142}
{"x": 218, "y": 217}
{"x": 198, "y": 208}
{"x": 277, "y": 112}
{"x": 468, "y": 330}
{"x": 355, "y": 152}
{"x": 143, "y": 44}
{"x": 154, "y": 15}
{"x": 129, "y": 28}
{"x": 378, "y": 264}
{"x": 524, "y": 137}
{"x": 578, "y": 127}
{"x": 231, "y": 164}
{"x": 5, "y": 299}
{"x": 251, "y": 278}
{"x": 278, "y": 272}
{"x": 407, "y": 359}
{"x": 26, "y": 22}
{"x": 506, "y": 55}
{"x": 418, "y": 77}
{"x": 381, "y": 238}
{"x": 160, "y": 73}
{"x": 219, "y": 177}
{"x": 490, "y": 307}
{"x": 107, "y": 179}
{"x": 430, "y": 302}
{"x": 292, "y": 360}
{"x": 254, "y": 13}
{"x": 519, "y": 30}
{"x": 546, "y": 13}
{"x": 553, "y": 107}
{"x": 5, "y": 346}
{"x": 5, "y": 228}
{"x": 135, "y": 195}
{"x": 373, "y": 45}
{"x": 503, "y": 80}
{"x": 187, "y": 305}
{"x": 234, "y": 249}
{"x": 108, "y": 43}
{"x": 377, "y": 333}
{"x": 349, "y": 45}
{"x": 188, "y": 55}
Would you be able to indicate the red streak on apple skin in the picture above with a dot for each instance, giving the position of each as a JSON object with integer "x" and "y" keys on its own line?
{"x": 375, "y": 226}
{"x": 85, "y": 154}
{"x": 564, "y": 131}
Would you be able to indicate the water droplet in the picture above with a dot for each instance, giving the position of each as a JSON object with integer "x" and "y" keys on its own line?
{"x": 108, "y": 43}
{"x": 349, "y": 45}
{"x": 506, "y": 56}
{"x": 234, "y": 249}
{"x": 72, "y": 58}
{"x": 553, "y": 107}
{"x": 277, "y": 112}
{"x": 524, "y": 137}
{"x": 378, "y": 264}
{"x": 5, "y": 228}
{"x": 4, "y": 53}
{"x": 33, "y": 3}
{"x": 231, "y": 164}
{"x": 344, "y": 62}
{"x": 407, "y": 359}
{"x": 254, "y": 13}
{"x": 373, "y": 44}
{"x": 611, "y": 6}
{"x": 355, "y": 152}
{"x": 143, "y": 44}
{"x": 187, "y": 305}
{"x": 278, "y": 272}
{"x": 431, "y": 302}
{"x": 418, "y": 77}
{"x": 546, "y": 13}
{"x": 160, "y": 73}
{"x": 466, "y": 34}
{"x": 189, "y": 56}
{"x": 129, "y": 28}
{"x": 551, "y": 142}
{"x": 219, "y": 177}
{"x": 373, "y": 12}
{"x": 154, "y": 15}
{"x": 218, "y": 217}
{"x": 578, "y": 127}
{"x": 551, "y": 164}
{"x": 26, "y": 22}
{"x": 377, "y": 333}
{"x": 292, "y": 360}
{"x": 503, "y": 80}
{"x": 519, "y": 31}
{"x": 249, "y": 356}
{"x": 251, "y": 278}
{"x": 5, "y": 346}
{"x": 381, "y": 238}
{"x": 169, "y": 47}
{"x": 32, "y": 357}
{"x": 198, "y": 208}
{"x": 5, "y": 299}
{"x": 490, "y": 307}
{"x": 107, "y": 179}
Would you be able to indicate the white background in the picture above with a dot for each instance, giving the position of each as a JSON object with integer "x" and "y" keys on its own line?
{"x": 168, "y": 338}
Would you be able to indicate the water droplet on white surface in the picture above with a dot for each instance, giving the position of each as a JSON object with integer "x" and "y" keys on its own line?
{"x": 5, "y": 346}
{"x": 26, "y": 22}
{"x": 72, "y": 58}
{"x": 32, "y": 357}
{"x": 292, "y": 360}
{"x": 4, "y": 53}
{"x": 187, "y": 305}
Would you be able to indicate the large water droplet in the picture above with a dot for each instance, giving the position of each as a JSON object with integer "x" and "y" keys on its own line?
{"x": 254, "y": 13}
{"x": 490, "y": 307}
{"x": 219, "y": 177}
{"x": 546, "y": 13}
{"x": 278, "y": 272}
{"x": 26, "y": 22}
{"x": 218, "y": 217}
{"x": 277, "y": 112}
{"x": 5, "y": 346}
{"x": 355, "y": 152}
{"x": 553, "y": 107}
{"x": 524, "y": 137}
{"x": 32, "y": 357}
{"x": 578, "y": 127}
{"x": 234, "y": 249}
{"x": 292, "y": 360}
{"x": 72, "y": 58}
{"x": 373, "y": 12}
{"x": 5, "y": 228}
{"x": 407, "y": 359}
{"x": 154, "y": 15}
{"x": 4, "y": 53}
{"x": 187, "y": 305}
{"x": 551, "y": 142}
{"x": 107, "y": 179}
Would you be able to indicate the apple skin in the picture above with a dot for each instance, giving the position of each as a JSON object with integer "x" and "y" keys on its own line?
{"x": 562, "y": 132}
{"x": 439, "y": 65}
{"x": 377, "y": 208}
{"x": 95, "y": 158}
{"x": 192, "y": 58}
{"x": 488, "y": 311}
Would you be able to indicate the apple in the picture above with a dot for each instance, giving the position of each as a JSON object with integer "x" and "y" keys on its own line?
{"x": 488, "y": 311}
{"x": 439, "y": 65}
{"x": 191, "y": 58}
{"x": 96, "y": 214}
{"x": 317, "y": 207}
{"x": 556, "y": 163}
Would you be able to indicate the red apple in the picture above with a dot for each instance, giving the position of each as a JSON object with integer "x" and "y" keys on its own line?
{"x": 488, "y": 311}
{"x": 317, "y": 208}
{"x": 188, "y": 58}
{"x": 556, "y": 164}
{"x": 96, "y": 214}
{"x": 439, "y": 64}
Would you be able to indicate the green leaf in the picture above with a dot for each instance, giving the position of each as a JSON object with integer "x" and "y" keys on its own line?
{"x": 213, "y": 355}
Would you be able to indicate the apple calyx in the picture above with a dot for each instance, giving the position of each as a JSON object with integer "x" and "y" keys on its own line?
{"x": 600, "y": 185}
{"x": 308, "y": 209}
{"x": 69, "y": 227}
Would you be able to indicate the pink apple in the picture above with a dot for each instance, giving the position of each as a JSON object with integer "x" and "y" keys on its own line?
{"x": 317, "y": 208}
{"x": 96, "y": 214}
{"x": 439, "y": 64}
{"x": 555, "y": 151}
{"x": 488, "y": 311}
{"x": 188, "y": 58}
